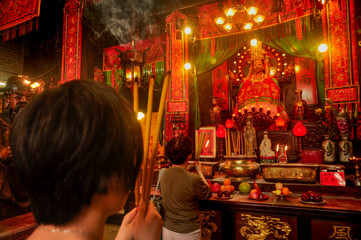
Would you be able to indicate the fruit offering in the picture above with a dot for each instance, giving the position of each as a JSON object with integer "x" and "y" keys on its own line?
{"x": 281, "y": 190}
{"x": 244, "y": 187}
{"x": 256, "y": 193}
{"x": 222, "y": 190}
{"x": 311, "y": 196}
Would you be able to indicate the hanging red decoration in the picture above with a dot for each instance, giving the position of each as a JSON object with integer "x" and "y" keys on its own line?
{"x": 299, "y": 129}
{"x": 221, "y": 131}
{"x": 280, "y": 122}
{"x": 229, "y": 123}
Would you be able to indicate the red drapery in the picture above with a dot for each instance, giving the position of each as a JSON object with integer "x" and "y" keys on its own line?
{"x": 18, "y": 15}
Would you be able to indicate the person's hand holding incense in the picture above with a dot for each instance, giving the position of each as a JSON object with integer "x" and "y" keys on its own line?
{"x": 141, "y": 223}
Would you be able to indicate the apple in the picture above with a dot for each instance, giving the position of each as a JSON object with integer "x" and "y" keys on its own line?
{"x": 310, "y": 193}
{"x": 227, "y": 194}
{"x": 317, "y": 198}
{"x": 305, "y": 197}
{"x": 215, "y": 189}
{"x": 217, "y": 184}
{"x": 255, "y": 195}
{"x": 220, "y": 193}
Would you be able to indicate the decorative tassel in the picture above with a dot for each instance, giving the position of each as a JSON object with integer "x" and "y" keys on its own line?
{"x": 22, "y": 29}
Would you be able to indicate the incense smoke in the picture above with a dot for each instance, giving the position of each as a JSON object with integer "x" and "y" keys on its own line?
{"x": 122, "y": 17}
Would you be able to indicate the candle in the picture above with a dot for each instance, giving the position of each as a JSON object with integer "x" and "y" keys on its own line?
{"x": 156, "y": 138}
{"x": 147, "y": 133}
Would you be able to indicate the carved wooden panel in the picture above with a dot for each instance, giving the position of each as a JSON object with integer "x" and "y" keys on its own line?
{"x": 211, "y": 222}
{"x": 328, "y": 229}
{"x": 313, "y": 138}
{"x": 265, "y": 226}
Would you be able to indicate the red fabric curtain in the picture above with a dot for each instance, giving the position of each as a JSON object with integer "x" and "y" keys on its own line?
{"x": 17, "y": 17}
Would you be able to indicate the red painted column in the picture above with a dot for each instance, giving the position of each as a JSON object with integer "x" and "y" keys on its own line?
{"x": 72, "y": 39}
{"x": 176, "y": 56}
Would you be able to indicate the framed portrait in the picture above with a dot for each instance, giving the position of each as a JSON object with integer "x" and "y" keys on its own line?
{"x": 209, "y": 146}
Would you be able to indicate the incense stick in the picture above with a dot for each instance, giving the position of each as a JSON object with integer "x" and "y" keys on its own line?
{"x": 200, "y": 144}
{"x": 136, "y": 109}
{"x": 149, "y": 179}
{"x": 148, "y": 121}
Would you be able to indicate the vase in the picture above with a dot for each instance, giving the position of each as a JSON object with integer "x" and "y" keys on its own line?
{"x": 299, "y": 106}
{"x": 329, "y": 151}
{"x": 345, "y": 149}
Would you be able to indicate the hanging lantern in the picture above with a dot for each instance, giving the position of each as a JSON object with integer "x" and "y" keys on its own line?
{"x": 252, "y": 11}
{"x": 299, "y": 129}
{"x": 229, "y": 123}
{"x": 230, "y": 12}
{"x": 228, "y": 27}
{"x": 248, "y": 26}
{"x": 221, "y": 131}
{"x": 280, "y": 122}
{"x": 259, "y": 19}
{"x": 219, "y": 21}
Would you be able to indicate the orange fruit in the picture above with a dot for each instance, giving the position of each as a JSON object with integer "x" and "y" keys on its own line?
{"x": 223, "y": 188}
{"x": 253, "y": 191}
{"x": 227, "y": 181}
{"x": 285, "y": 191}
{"x": 232, "y": 188}
{"x": 229, "y": 188}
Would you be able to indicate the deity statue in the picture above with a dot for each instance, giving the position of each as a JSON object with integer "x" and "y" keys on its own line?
{"x": 282, "y": 156}
{"x": 266, "y": 153}
{"x": 215, "y": 111}
{"x": 250, "y": 139}
{"x": 299, "y": 105}
{"x": 259, "y": 89}
{"x": 16, "y": 94}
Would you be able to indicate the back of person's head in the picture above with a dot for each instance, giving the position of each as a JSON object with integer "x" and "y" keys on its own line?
{"x": 178, "y": 149}
{"x": 69, "y": 142}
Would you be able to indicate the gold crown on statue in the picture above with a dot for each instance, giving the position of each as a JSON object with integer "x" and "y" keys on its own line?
{"x": 257, "y": 52}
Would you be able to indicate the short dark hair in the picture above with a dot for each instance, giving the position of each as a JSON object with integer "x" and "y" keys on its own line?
{"x": 178, "y": 149}
{"x": 69, "y": 141}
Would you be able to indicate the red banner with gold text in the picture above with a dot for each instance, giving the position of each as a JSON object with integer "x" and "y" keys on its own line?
{"x": 306, "y": 80}
{"x": 221, "y": 85}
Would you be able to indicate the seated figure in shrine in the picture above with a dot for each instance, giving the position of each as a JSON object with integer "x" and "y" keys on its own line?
{"x": 259, "y": 90}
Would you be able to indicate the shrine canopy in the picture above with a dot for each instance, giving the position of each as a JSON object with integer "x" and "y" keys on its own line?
{"x": 17, "y": 17}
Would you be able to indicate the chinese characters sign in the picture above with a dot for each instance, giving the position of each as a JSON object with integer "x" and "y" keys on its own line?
{"x": 306, "y": 80}
{"x": 220, "y": 85}
{"x": 332, "y": 178}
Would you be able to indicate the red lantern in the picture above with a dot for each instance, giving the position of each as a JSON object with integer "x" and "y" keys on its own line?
{"x": 280, "y": 122}
{"x": 299, "y": 129}
{"x": 229, "y": 123}
{"x": 221, "y": 131}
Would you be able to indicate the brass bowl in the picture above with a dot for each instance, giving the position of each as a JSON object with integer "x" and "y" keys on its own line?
{"x": 244, "y": 167}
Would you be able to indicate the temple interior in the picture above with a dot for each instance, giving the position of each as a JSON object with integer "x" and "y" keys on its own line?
{"x": 268, "y": 91}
